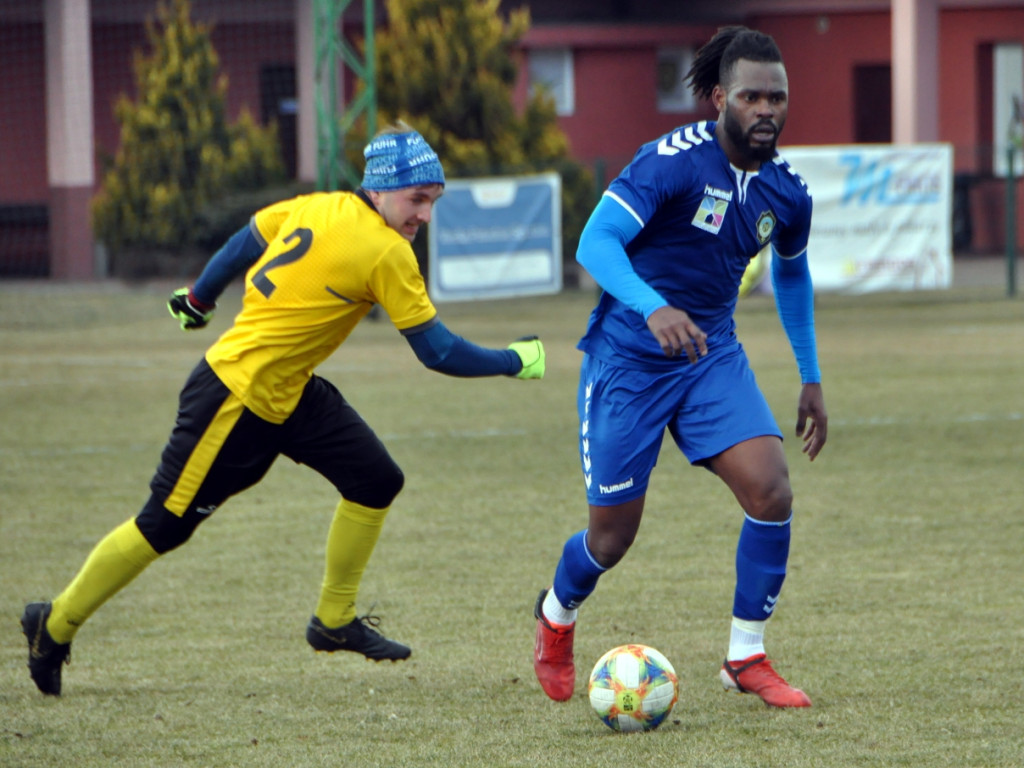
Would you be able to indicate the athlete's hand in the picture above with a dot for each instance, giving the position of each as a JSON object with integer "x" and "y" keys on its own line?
{"x": 812, "y": 420}
{"x": 677, "y": 333}
{"x": 188, "y": 310}
{"x": 531, "y": 353}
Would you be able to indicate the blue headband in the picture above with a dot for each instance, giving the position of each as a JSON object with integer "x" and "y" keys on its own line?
{"x": 398, "y": 160}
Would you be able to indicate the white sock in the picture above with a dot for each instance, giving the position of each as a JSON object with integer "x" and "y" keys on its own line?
{"x": 555, "y": 612}
{"x": 746, "y": 639}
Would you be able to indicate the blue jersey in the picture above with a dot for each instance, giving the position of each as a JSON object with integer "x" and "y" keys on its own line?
{"x": 702, "y": 221}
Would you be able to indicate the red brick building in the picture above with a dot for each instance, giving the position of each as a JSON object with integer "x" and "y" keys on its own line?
{"x": 859, "y": 70}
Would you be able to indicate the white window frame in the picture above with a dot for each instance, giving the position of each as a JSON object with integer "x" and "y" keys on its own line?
{"x": 1007, "y": 102}
{"x": 553, "y": 69}
{"x": 672, "y": 95}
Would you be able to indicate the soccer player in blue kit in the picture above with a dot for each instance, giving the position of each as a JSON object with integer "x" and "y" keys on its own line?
{"x": 668, "y": 243}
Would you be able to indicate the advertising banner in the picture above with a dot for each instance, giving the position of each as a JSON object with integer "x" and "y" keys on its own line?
{"x": 882, "y": 215}
{"x": 496, "y": 237}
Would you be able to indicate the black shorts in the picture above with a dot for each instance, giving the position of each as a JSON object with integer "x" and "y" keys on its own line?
{"x": 219, "y": 447}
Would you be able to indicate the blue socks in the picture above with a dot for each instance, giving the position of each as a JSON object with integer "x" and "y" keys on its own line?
{"x": 761, "y": 557}
{"x": 577, "y": 572}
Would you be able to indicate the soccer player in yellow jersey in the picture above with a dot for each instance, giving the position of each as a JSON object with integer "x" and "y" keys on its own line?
{"x": 314, "y": 267}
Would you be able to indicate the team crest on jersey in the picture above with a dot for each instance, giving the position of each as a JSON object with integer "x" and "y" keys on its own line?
{"x": 765, "y": 227}
{"x": 710, "y": 214}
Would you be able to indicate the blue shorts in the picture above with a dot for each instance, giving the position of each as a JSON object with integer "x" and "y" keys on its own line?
{"x": 707, "y": 407}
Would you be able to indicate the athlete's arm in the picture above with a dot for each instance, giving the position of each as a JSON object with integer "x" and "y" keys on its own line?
{"x": 794, "y": 300}
{"x": 241, "y": 251}
{"x": 602, "y": 252}
{"x": 441, "y": 350}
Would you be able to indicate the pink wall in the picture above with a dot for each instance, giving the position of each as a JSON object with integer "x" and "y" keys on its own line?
{"x": 23, "y": 175}
{"x": 23, "y": 125}
{"x": 113, "y": 73}
{"x": 961, "y": 120}
{"x": 820, "y": 69}
{"x": 243, "y": 51}
{"x": 615, "y": 104}
{"x": 614, "y": 67}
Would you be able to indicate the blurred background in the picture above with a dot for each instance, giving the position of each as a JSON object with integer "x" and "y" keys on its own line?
{"x": 135, "y": 135}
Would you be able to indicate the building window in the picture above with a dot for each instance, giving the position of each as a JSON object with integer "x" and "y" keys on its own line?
{"x": 673, "y": 95}
{"x": 552, "y": 69}
{"x": 1008, "y": 107}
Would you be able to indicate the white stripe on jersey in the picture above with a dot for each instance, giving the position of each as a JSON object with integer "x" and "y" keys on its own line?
{"x": 625, "y": 205}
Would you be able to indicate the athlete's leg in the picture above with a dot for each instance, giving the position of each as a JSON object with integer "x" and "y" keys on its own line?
{"x": 622, "y": 415}
{"x": 327, "y": 434}
{"x": 756, "y": 472}
{"x": 351, "y": 540}
{"x": 589, "y": 553}
{"x": 216, "y": 449}
{"x": 117, "y": 559}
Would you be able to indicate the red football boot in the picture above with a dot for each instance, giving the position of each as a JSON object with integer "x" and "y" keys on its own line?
{"x": 754, "y": 674}
{"x": 552, "y": 655}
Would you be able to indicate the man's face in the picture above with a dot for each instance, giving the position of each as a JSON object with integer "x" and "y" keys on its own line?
{"x": 406, "y": 210}
{"x": 752, "y": 109}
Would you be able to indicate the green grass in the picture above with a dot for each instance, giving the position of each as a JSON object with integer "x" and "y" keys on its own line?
{"x": 901, "y": 616}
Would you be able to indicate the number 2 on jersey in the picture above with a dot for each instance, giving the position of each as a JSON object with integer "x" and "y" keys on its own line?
{"x": 264, "y": 284}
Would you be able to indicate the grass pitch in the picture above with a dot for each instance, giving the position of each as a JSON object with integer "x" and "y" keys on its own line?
{"x": 900, "y": 616}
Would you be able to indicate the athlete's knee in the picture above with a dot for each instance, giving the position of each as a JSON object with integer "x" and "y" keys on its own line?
{"x": 773, "y": 503}
{"x": 380, "y": 489}
{"x": 165, "y": 530}
{"x": 609, "y": 549}
{"x": 609, "y": 544}
{"x": 612, "y": 530}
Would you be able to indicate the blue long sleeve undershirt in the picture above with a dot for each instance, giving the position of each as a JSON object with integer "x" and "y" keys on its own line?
{"x": 241, "y": 251}
{"x": 602, "y": 252}
{"x": 435, "y": 346}
{"x": 441, "y": 350}
{"x": 794, "y": 300}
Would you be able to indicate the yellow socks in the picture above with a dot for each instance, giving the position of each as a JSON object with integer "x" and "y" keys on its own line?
{"x": 119, "y": 557}
{"x": 350, "y": 542}
{"x": 124, "y": 553}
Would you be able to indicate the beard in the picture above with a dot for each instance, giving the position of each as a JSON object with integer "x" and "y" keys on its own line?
{"x": 744, "y": 142}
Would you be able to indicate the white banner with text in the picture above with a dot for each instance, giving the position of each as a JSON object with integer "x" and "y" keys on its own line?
{"x": 882, "y": 215}
{"x": 496, "y": 237}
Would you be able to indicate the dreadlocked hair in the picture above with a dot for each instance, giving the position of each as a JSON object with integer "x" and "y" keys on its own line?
{"x": 714, "y": 61}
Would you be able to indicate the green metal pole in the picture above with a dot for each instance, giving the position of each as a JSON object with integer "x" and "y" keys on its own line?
{"x": 333, "y": 122}
{"x": 370, "y": 76}
{"x": 1011, "y": 224}
{"x": 326, "y": 17}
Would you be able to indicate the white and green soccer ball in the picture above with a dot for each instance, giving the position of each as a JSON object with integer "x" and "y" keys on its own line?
{"x": 633, "y": 688}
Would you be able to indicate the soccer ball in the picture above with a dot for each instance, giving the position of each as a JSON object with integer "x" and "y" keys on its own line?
{"x": 633, "y": 688}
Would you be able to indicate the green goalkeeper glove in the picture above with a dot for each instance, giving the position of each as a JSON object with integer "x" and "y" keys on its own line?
{"x": 531, "y": 352}
{"x": 188, "y": 310}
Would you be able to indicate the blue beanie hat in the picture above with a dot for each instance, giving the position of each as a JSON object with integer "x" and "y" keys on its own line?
{"x": 398, "y": 160}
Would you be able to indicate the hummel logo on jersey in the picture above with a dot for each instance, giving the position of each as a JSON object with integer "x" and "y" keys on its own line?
{"x": 721, "y": 194}
{"x": 690, "y": 136}
{"x": 769, "y": 606}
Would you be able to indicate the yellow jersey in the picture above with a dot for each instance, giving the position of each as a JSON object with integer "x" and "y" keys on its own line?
{"x": 328, "y": 258}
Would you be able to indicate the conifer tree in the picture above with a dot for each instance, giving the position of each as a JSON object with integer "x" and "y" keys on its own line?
{"x": 448, "y": 68}
{"x": 177, "y": 151}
